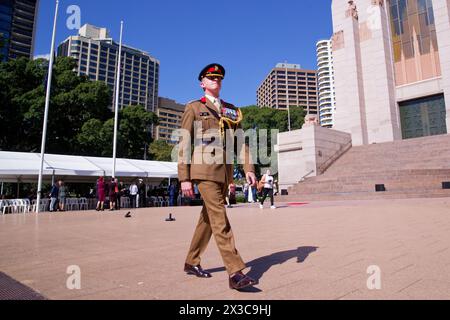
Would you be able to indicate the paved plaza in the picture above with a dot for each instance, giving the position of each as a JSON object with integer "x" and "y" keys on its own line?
{"x": 319, "y": 250}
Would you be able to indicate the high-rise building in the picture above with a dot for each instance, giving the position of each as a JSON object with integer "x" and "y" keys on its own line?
{"x": 289, "y": 85}
{"x": 17, "y": 28}
{"x": 392, "y": 68}
{"x": 325, "y": 82}
{"x": 169, "y": 114}
{"x": 96, "y": 55}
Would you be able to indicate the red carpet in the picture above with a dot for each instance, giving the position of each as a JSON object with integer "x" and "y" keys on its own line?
{"x": 297, "y": 204}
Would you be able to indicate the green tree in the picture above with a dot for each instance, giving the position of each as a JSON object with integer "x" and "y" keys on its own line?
{"x": 20, "y": 80}
{"x": 74, "y": 100}
{"x": 135, "y": 131}
{"x": 96, "y": 137}
{"x": 160, "y": 150}
{"x": 270, "y": 119}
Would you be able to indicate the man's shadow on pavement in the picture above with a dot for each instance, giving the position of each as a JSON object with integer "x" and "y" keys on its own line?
{"x": 261, "y": 265}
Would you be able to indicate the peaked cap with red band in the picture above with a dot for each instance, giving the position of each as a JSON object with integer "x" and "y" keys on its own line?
{"x": 212, "y": 70}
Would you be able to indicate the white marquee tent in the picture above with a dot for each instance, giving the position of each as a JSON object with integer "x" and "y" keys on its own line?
{"x": 24, "y": 167}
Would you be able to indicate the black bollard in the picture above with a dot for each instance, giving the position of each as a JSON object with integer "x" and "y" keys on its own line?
{"x": 170, "y": 219}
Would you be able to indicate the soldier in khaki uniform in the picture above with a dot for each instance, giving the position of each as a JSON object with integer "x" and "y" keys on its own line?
{"x": 205, "y": 121}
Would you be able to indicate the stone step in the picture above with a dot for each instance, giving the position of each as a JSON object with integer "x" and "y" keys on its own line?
{"x": 408, "y": 168}
{"x": 364, "y": 195}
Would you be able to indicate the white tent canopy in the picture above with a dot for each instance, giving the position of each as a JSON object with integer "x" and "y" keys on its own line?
{"x": 16, "y": 166}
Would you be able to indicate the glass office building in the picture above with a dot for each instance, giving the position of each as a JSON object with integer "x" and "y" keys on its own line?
{"x": 96, "y": 55}
{"x": 17, "y": 28}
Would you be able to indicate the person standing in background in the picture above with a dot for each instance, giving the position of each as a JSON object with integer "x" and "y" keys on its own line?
{"x": 142, "y": 196}
{"x": 245, "y": 191}
{"x": 100, "y": 194}
{"x": 54, "y": 193}
{"x": 268, "y": 190}
{"x": 173, "y": 193}
{"x": 62, "y": 196}
{"x": 133, "y": 195}
{"x": 112, "y": 194}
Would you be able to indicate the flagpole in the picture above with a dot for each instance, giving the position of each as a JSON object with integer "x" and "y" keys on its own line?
{"x": 116, "y": 118}
{"x": 47, "y": 103}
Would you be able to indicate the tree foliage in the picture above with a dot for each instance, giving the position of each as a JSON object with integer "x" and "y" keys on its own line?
{"x": 161, "y": 151}
{"x": 80, "y": 120}
{"x": 270, "y": 119}
{"x": 134, "y": 133}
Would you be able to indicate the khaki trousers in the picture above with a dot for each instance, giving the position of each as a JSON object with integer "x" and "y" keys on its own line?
{"x": 214, "y": 221}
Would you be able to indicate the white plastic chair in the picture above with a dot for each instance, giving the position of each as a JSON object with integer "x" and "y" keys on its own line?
{"x": 83, "y": 204}
{"x": 72, "y": 204}
{"x": 25, "y": 205}
{"x": 155, "y": 201}
{"x": 4, "y": 205}
{"x": 164, "y": 203}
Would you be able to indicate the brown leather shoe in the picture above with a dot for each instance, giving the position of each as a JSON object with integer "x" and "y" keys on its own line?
{"x": 196, "y": 271}
{"x": 241, "y": 281}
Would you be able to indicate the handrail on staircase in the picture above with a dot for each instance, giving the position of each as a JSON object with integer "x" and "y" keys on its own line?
{"x": 327, "y": 164}
{"x": 303, "y": 178}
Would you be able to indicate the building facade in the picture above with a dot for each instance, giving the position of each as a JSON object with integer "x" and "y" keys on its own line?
{"x": 287, "y": 85}
{"x": 169, "y": 114}
{"x": 96, "y": 55}
{"x": 17, "y": 28}
{"x": 392, "y": 68}
{"x": 325, "y": 83}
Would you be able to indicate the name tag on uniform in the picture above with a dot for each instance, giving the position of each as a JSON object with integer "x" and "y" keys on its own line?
{"x": 230, "y": 114}
{"x": 204, "y": 114}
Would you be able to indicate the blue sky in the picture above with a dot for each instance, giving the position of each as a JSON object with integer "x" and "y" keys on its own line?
{"x": 248, "y": 37}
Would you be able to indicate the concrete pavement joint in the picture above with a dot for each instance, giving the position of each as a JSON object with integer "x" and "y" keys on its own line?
{"x": 398, "y": 257}
{"x": 347, "y": 294}
{"x": 440, "y": 251}
{"x": 348, "y": 277}
{"x": 352, "y": 253}
{"x": 408, "y": 286}
{"x": 401, "y": 269}
{"x": 353, "y": 262}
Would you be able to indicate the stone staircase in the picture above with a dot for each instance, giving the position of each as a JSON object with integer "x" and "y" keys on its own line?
{"x": 412, "y": 168}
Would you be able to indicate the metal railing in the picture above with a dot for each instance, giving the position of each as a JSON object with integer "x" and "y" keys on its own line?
{"x": 342, "y": 150}
{"x": 305, "y": 176}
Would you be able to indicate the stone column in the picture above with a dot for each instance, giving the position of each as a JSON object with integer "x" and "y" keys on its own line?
{"x": 350, "y": 102}
{"x": 382, "y": 112}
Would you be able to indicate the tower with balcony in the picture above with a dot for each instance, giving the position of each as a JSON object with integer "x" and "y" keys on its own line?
{"x": 325, "y": 81}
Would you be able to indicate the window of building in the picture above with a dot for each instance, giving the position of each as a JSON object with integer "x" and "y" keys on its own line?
{"x": 413, "y": 26}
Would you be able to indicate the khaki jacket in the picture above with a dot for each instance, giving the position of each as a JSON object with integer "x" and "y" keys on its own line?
{"x": 202, "y": 120}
